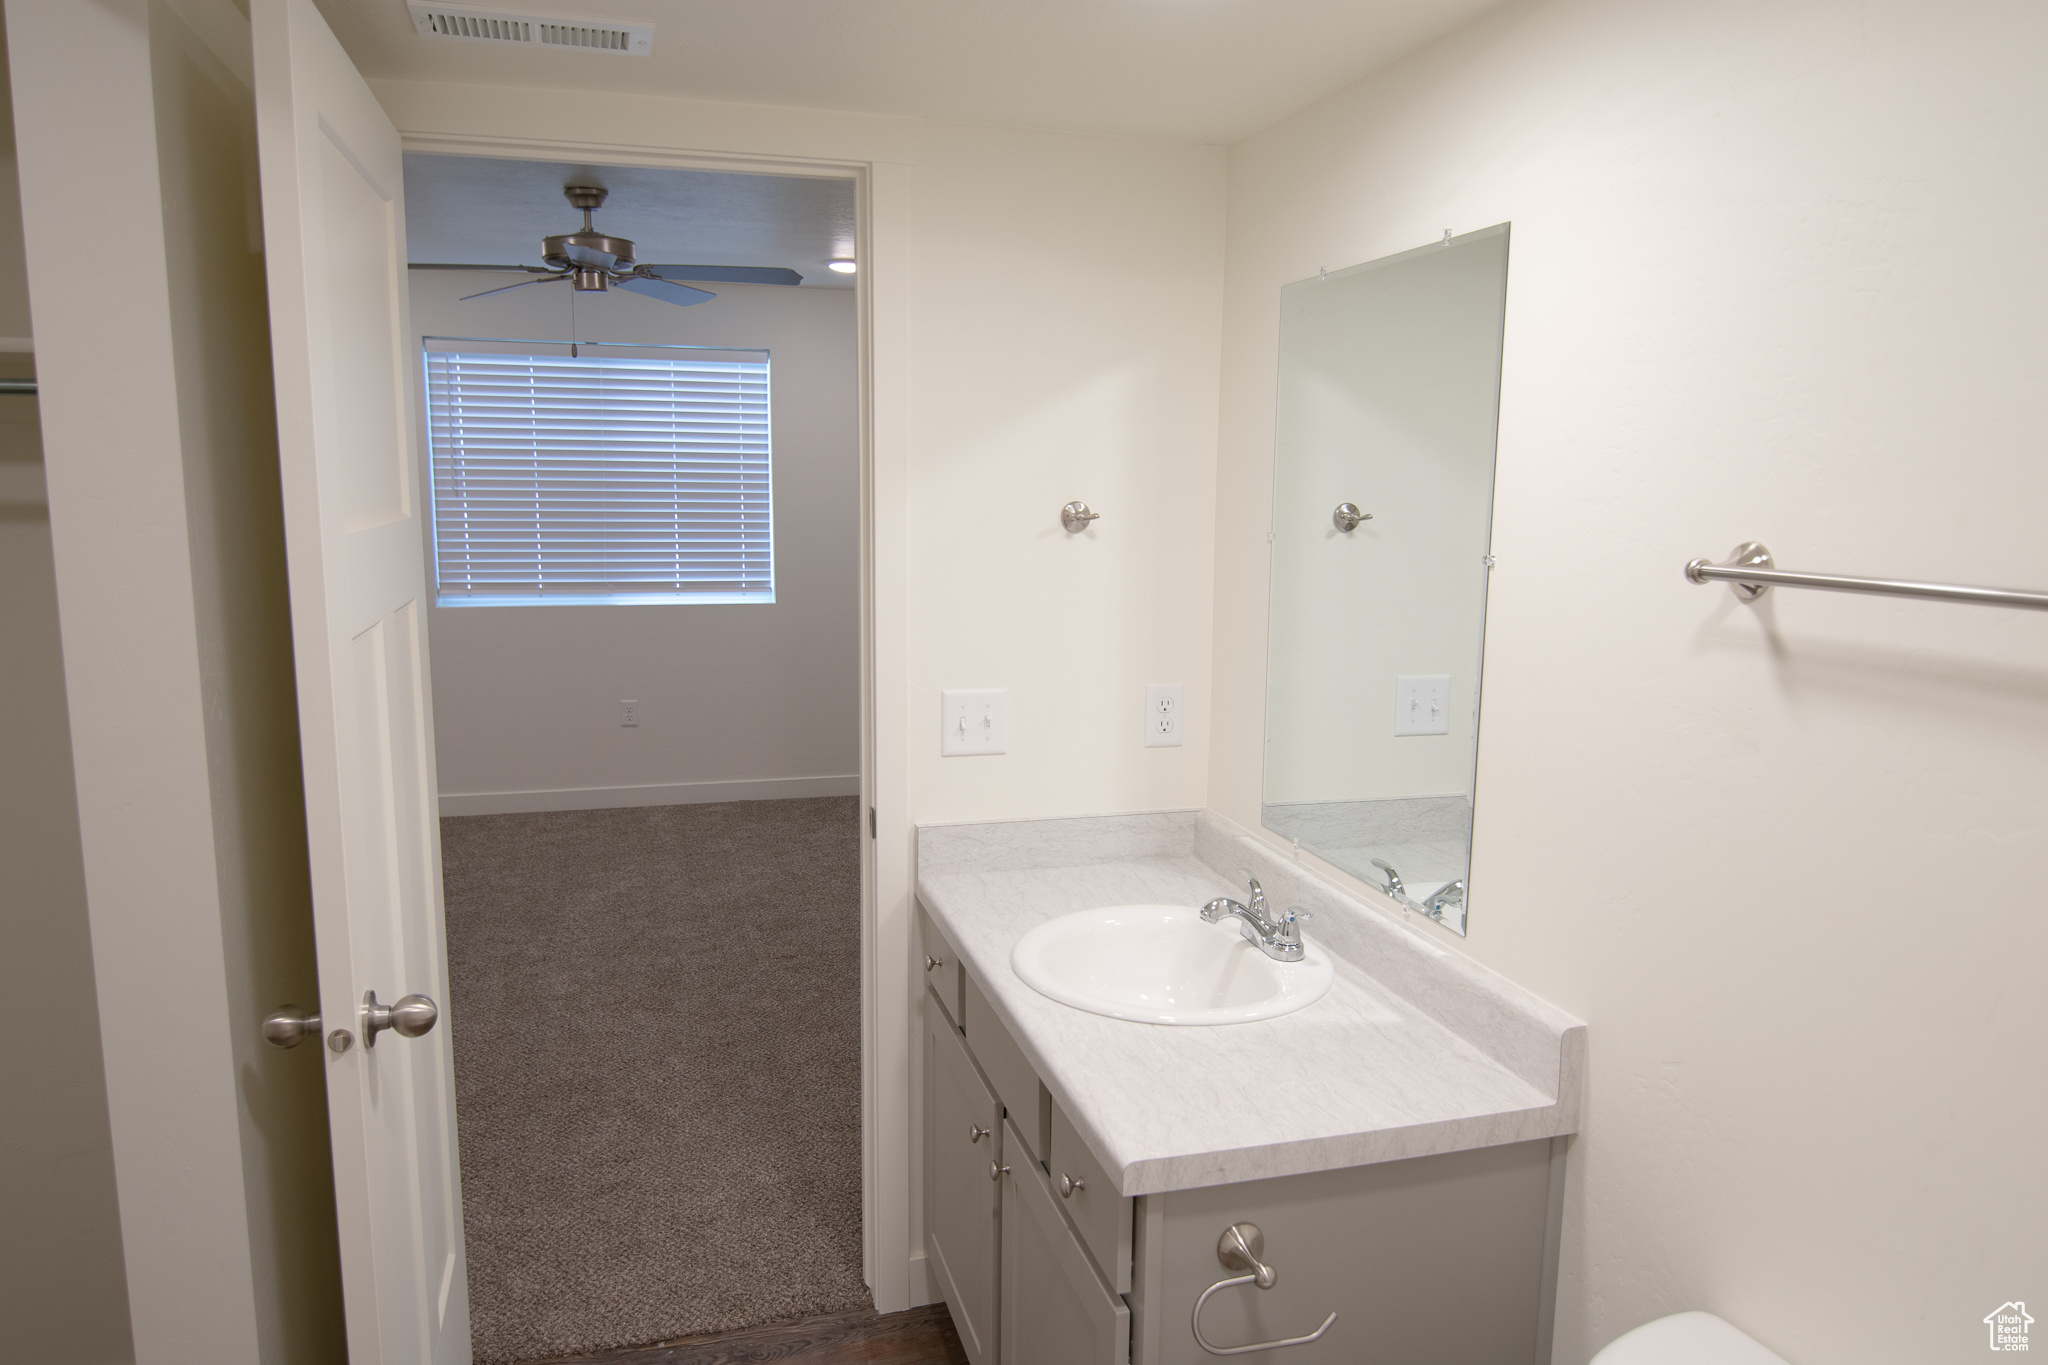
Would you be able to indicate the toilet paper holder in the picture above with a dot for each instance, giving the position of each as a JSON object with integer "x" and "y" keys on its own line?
{"x": 1243, "y": 1247}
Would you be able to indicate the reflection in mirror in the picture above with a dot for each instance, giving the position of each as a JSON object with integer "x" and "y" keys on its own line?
{"x": 1389, "y": 397}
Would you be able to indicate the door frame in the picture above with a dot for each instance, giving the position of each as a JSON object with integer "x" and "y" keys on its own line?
{"x": 890, "y": 1263}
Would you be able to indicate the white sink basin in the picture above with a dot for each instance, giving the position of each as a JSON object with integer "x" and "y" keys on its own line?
{"x": 1164, "y": 964}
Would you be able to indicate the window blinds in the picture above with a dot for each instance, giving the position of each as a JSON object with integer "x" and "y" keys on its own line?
{"x": 599, "y": 478}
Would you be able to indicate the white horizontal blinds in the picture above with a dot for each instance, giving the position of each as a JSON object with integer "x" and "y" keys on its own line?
{"x": 600, "y": 478}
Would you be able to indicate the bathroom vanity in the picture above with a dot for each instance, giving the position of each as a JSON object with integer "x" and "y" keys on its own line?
{"x": 1392, "y": 1153}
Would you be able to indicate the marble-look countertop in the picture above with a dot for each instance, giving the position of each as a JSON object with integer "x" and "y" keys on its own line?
{"x": 1416, "y": 1049}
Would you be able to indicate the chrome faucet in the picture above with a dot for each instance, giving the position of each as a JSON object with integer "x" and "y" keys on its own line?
{"x": 1279, "y": 939}
{"x": 1450, "y": 893}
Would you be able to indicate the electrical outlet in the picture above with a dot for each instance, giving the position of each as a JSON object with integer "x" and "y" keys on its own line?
{"x": 1162, "y": 715}
{"x": 629, "y": 713}
{"x": 974, "y": 721}
{"x": 1422, "y": 704}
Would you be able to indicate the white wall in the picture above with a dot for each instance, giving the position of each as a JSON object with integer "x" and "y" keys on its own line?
{"x": 63, "y": 1293}
{"x": 1042, "y": 312}
{"x": 737, "y": 701}
{"x": 1773, "y": 277}
{"x": 135, "y": 135}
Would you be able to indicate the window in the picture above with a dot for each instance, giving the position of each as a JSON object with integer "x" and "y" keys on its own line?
{"x": 640, "y": 474}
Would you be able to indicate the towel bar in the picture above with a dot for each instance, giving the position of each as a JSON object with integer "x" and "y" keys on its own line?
{"x": 1751, "y": 573}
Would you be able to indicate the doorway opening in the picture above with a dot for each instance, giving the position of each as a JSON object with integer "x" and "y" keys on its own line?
{"x": 643, "y": 473}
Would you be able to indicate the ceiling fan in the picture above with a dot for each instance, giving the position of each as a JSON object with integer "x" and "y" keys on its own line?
{"x": 595, "y": 263}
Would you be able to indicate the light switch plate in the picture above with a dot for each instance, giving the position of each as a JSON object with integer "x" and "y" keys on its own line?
{"x": 974, "y": 721}
{"x": 1422, "y": 704}
{"x": 1162, "y": 715}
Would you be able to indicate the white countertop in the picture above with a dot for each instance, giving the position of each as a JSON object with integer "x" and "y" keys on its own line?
{"x": 1416, "y": 1049}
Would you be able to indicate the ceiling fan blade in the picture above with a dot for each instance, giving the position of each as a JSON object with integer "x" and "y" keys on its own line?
{"x": 502, "y": 288}
{"x": 728, "y": 274}
{"x": 654, "y": 287}
{"x": 504, "y": 269}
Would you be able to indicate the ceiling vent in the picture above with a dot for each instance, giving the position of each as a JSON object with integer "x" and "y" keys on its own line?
{"x": 462, "y": 24}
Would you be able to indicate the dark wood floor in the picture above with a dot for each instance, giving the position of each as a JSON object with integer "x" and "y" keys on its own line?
{"x": 922, "y": 1336}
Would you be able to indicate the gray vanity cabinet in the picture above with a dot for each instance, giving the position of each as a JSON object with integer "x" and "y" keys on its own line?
{"x": 1448, "y": 1259}
{"x": 1438, "y": 1260}
{"x": 963, "y": 1146}
{"x": 1056, "y": 1308}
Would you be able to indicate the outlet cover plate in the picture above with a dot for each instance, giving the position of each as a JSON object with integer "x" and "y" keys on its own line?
{"x": 1163, "y": 704}
{"x": 974, "y": 721}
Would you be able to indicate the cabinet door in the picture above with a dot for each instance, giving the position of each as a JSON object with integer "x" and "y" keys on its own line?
{"x": 960, "y": 1200}
{"x": 1056, "y": 1308}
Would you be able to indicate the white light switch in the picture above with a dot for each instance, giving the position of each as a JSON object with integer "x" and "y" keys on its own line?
{"x": 1162, "y": 715}
{"x": 1422, "y": 704}
{"x": 974, "y": 721}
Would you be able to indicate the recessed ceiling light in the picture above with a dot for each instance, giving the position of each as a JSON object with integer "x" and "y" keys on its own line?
{"x": 842, "y": 265}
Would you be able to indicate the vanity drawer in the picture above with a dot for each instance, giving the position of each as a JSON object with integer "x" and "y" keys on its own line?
{"x": 1102, "y": 1216}
{"x": 941, "y": 965}
{"x": 1015, "y": 1079}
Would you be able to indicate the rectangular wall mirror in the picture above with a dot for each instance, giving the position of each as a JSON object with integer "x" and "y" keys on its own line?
{"x": 1389, "y": 403}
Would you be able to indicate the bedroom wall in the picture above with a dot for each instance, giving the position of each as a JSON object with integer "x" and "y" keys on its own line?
{"x": 738, "y": 701}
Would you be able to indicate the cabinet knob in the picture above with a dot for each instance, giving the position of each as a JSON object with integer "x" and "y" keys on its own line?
{"x": 932, "y": 964}
{"x": 975, "y": 1132}
{"x": 1068, "y": 1185}
{"x": 996, "y": 1172}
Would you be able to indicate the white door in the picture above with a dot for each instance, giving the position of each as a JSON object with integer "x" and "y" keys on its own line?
{"x": 334, "y": 234}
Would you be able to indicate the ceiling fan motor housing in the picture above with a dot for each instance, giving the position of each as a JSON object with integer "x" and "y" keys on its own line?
{"x": 592, "y": 249}
{"x": 589, "y": 253}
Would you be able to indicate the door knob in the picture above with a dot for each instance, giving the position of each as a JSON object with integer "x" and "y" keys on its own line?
{"x": 287, "y": 1026}
{"x": 932, "y": 964}
{"x": 975, "y": 1132}
{"x": 1068, "y": 1185}
{"x": 996, "y": 1172}
{"x": 409, "y": 1016}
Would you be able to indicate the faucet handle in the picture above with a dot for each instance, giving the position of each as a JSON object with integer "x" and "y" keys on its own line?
{"x": 1295, "y": 912}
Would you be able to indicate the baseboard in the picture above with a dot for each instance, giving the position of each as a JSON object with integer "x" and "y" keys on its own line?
{"x": 658, "y": 794}
{"x": 922, "y": 1290}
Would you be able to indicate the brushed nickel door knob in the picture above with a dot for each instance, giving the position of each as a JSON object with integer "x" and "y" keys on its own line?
{"x": 975, "y": 1132}
{"x": 1068, "y": 1185}
{"x": 932, "y": 964}
{"x": 996, "y": 1172}
{"x": 1348, "y": 516}
{"x": 288, "y": 1026}
{"x": 409, "y": 1016}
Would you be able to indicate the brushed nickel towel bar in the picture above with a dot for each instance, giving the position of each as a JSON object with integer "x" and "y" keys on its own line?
{"x": 1750, "y": 573}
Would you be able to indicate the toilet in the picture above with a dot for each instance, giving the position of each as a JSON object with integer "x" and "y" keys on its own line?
{"x": 1687, "y": 1339}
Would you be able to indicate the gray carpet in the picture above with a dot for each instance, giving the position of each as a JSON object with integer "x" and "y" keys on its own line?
{"x": 656, "y": 1020}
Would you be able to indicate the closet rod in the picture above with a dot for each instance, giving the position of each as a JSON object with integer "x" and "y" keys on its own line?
{"x": 1751, "y": 572}
{"x": 12, "y": 385}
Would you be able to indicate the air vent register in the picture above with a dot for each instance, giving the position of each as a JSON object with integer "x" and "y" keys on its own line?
{"x": 462, "y": 24}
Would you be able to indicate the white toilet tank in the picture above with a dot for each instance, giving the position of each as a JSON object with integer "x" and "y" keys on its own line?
{"x": 1687, "y": 1339}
